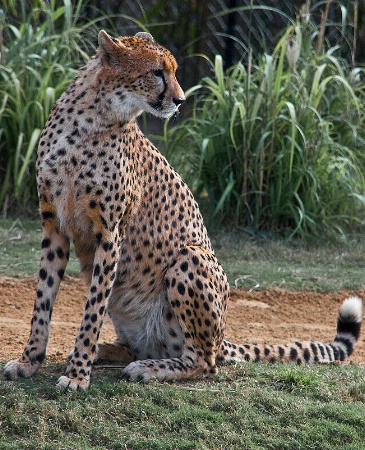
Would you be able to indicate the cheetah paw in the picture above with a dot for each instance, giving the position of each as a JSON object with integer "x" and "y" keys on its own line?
{"x": 73, "y": 384}
{"x": 137, "y": 371}
{"x": 16, "y": 369}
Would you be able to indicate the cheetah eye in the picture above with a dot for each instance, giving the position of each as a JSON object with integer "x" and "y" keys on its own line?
{"x": 158, "y": 73}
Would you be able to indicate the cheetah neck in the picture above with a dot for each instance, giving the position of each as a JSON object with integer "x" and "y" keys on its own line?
{"x": 95, "y": 101}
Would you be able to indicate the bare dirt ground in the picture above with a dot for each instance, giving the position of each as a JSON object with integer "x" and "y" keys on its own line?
{"x": 274, "y": 316}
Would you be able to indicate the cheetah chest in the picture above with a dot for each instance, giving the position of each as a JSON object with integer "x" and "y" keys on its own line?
{"x": 146, "y": 323}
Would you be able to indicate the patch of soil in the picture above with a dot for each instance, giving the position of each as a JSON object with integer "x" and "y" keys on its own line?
{"x": 271, "y": 316}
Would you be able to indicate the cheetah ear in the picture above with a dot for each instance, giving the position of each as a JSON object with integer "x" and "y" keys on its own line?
{"x": 145, "y": 36}
{"x": 108, "y": 46}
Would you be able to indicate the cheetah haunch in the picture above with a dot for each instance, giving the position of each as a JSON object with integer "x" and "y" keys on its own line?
{"x": 138, "y": 233}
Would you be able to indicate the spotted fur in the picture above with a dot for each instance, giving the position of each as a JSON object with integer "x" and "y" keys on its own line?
{"x": 138, "y": 233}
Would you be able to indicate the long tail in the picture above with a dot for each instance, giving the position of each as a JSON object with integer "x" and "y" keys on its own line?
{"x": 308, "y": 352}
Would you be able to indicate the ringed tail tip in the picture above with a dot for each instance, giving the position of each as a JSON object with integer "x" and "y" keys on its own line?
{"x": 350, "y": 318}
{"x": 351, "y": 310}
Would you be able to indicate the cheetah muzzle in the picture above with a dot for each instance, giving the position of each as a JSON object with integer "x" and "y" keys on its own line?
{"x": 137, "y": 232}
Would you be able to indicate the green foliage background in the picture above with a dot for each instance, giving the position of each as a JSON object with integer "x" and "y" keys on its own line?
{"x": 277, "y": 145}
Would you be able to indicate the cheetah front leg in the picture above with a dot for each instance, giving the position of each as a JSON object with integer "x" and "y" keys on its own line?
{"x": 197, "y": 291}
{"x": 103, "y": 274}
{"x": 55, "y": 254}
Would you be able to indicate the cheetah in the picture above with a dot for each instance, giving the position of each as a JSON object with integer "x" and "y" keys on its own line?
{"x": 138, "y": 233}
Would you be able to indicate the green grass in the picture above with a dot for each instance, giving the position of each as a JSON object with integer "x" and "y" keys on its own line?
{"x": 243, "y": 407}
{"x": 248, "y": 262}
{"x": 315, "y": 265}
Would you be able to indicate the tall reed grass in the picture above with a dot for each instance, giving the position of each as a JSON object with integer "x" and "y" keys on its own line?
{"x": 278, "y": 145}
{"x": 41, "y": 47}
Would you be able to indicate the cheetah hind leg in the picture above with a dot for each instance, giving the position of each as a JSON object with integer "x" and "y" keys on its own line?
{"x": 197, "y": 291}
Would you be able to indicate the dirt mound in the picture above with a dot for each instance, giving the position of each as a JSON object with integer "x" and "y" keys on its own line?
{"x": 273, "y": 316}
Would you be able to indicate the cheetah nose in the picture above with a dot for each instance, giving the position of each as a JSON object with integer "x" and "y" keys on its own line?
{"x": 179, "y": 100}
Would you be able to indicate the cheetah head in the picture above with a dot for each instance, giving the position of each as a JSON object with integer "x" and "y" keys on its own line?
{"x": 138, "y": 75}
